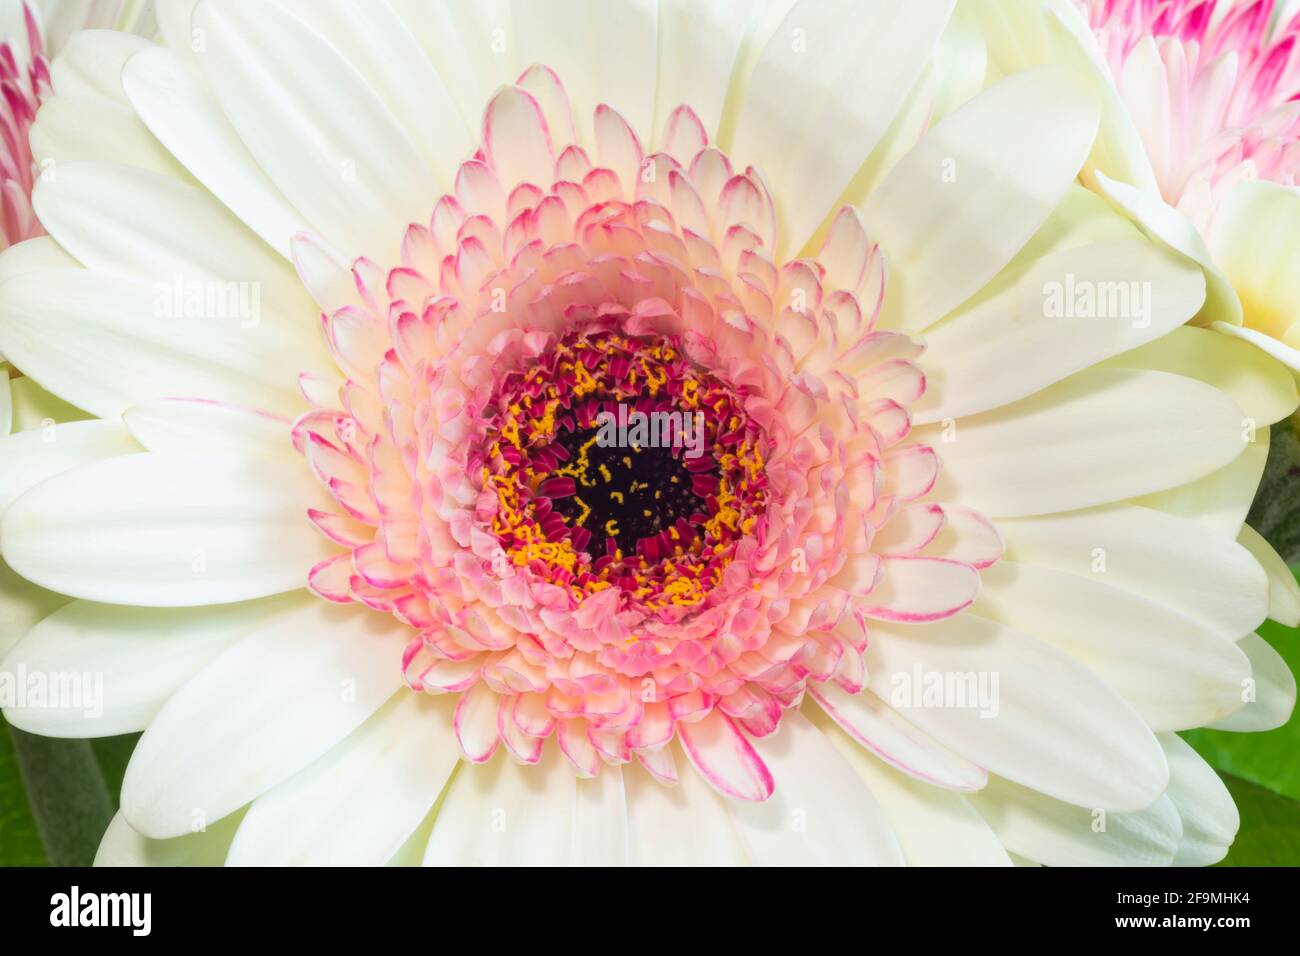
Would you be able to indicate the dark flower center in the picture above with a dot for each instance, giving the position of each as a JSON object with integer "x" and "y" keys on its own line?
{"x": 616, "y": 461}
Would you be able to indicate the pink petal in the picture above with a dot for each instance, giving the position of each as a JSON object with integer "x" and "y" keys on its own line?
{"x": 725, "y": 758}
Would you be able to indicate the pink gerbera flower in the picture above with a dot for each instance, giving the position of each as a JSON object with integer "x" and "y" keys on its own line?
{"x": 36, "y": 31}
{"x": 1213, "y": 88}
{"x": 620, "y": 596}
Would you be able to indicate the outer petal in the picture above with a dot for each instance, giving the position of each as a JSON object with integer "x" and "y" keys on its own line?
{"x": 1099, "y": 436}
{"x": 1059, "y": 834}
{"x": 1177, "y": 673}
{"x": 934, "y": 827}
{"x": 506, "y": 814}
{"x": 358, "y": 803}
{"x": 1185, "y": 565}
{"x": 131, "y": 659}
{"x": 683, "y": 825}
{"x": 1010, "y": 154}
{"x": 123, "y": 846}
{"x": 1209, "y": 817}
{"x": 834, "y": 65}
{"x": 820, "y": 814}
{"x": 171, "y": 97}
{"x": 327, "y": 140}
{"x": 1143, "y": 292}
{"x": 885, "y": 733}
{"x": 303, "y": 684}
{"x": 1050, "y": 724}
{"x": 1269, "y": 694}
{"x": 165, "y": 531}
{"x": 104, "y": 343}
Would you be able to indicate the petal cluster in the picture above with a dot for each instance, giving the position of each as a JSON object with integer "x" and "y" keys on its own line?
{"x": 553, "y": 285}
{"x": 1212, "y": 88}
{"x": 25, "y": 83}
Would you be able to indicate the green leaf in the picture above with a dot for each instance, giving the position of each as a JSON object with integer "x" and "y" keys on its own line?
{"x": 112, "y": 755}
{"x": 57, "y": 796}
{"x": 66, "y": 793}
{"x": 20, "y": 841}
{"x": 1270, "y": 827}
{"x": 1276, "y": 511}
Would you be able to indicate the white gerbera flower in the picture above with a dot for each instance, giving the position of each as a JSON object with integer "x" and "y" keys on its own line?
{"x": 952, "y": 556}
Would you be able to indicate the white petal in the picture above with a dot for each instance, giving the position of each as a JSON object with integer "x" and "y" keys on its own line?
{"x": 884, "y": 732}
{"x": 34, "y": 407}
{"x": 820, "y": 814}
{"x": 832, "y": 65}
{"x": 1176, "y": 672}
{"x": 375, "y": 41}
{"x": 1163, "y": 222}
{"x": 1059, "y": 834}
{"x": 1288, "y": 355}
{"x": 91, "y": 64}
{"x": 934, "y": 827}
{"x": 1255, "y": 239}
{"x": 505, "y": 814}
{"x": 682, "y": 825}
{"x": 22, "y": 605}
{"x": 1099, "y": 436}
{"x": 132, "y": 659}
{"x": 324, "y": 272}
{"x": 140, "y": 224}
{"x": 171, "y": 97}
{"x": 1283, "y": 590}
{"x": 1187, "y": 566}
{"x": 1209, "y": 817}
{"x": 73, "y": 128}
{"x": 1222, "y": 498}
{"x": 325, "y": 139}
{"x": 600, "y": 820}
{"x": 194, "y": 427}
{"x": 1140, "y": 292}
{"x": 357, "y": 804}
{"x": 104, "y": 343}
{"x": 166, "y": 531}
{"x": 1047, "y": 722}
{"x": 34, "y": 255}
{"x": 30, "y": 457}
{"x": 457, "y": 38}
{"x": 1263, "y": 387}
{"x": 123, "y": 846}
{"x": 1024, "y": 33}
{"x": 954, "y": 74}
{"x": 956, "y": 209}
{"x": 698, "y": 44}
{"x": 301, "y": 684}
{"x": 1269, "y": 694}
{"x": 174, "y": 23}
{"x": 603, "y": 52}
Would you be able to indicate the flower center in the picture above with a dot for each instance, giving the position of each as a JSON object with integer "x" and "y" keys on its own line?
{"x": 616, "y": 462}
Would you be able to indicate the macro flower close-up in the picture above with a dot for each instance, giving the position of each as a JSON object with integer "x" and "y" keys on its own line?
{"x": 652, "y": 432}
